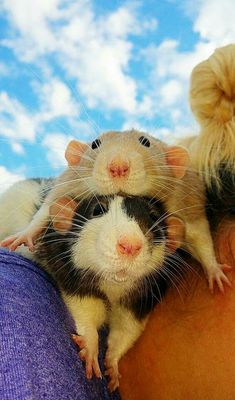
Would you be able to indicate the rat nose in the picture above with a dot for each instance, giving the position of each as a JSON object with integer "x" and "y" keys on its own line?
{"x": 129, "y": 245}
{"x": 118, "y": 167}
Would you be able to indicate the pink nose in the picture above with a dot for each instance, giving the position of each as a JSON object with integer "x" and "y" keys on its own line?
{"x": 129, "y": 246}
{"x": 118, "y": 168}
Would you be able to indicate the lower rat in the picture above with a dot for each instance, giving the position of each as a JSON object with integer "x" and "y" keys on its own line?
{"x": 132, "y": 163}
{"x": 109, "y": 255}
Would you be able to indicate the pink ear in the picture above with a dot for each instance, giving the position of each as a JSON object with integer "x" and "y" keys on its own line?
{"x": 62, "y": 212}
{"x": 178, "y": 159}
{"x": 175, "y": 233}
{"x": 74, "y": 151}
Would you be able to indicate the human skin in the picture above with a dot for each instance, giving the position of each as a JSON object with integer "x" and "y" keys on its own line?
{"x": 187, "y": 350}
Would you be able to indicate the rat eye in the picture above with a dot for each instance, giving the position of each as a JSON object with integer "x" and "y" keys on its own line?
{"x": 154, "y": 216}
{"x": 95, "y": 144}
{"x": 99, "y": 209}
{"x": 144, "y": 141}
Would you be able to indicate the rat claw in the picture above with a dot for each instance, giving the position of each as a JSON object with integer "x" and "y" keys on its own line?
{"x": 88, "y": 369}
{"x": 25, "y": 237}
{"x": 8, "y": 241}
{"x": 92, "y": 365}
{"x": 15, "y": 244}
{"x": 14, "y": 241}
{"x": 220, "y": 284}
{"x": 78, "y": 340}
{"x": 226, "y": 267}
{"x": 113, "y": 385}
{"x": 219, "y": 277}
{"x": 30, "y": 244}
{"x": 211, "y": 285}
{"x": 82, "y": 354}
{"x": 89, "y": 354}
{"x": 113, "y": 373}
{"x": 96, "y": 368}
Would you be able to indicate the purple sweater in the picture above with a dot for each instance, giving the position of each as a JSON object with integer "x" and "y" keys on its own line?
{"x": 37, "y": 357}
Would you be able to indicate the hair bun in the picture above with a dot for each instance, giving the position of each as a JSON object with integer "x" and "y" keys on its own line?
{"x": 212, "y": 92}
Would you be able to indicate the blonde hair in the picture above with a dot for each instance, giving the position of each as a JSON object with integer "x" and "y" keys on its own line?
{"x": 212, "y": 99}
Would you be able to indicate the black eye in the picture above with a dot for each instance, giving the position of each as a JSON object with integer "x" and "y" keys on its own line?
{"x": 144, "y": 141}
{"x": 96, "y": 143}
{"x": 99, "y": 209}
{"x": 154, "y": 216}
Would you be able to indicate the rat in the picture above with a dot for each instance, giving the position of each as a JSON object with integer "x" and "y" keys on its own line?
{"x": 135, "y": 163}
{"x": 110, "y": 257}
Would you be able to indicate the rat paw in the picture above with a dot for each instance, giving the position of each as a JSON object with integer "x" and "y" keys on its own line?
{"x": 217, "y": 276}
{"x": 112, "y": 373}
{"x": 14, "y": 241}
{"x": 89, "y": 354}
{"x": 25, "y": 237}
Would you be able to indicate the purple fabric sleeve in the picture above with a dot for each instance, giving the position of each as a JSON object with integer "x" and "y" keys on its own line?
{"x": 37, "y": 357}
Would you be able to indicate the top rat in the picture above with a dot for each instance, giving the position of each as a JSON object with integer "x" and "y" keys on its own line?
{"x": 116, "y": 162}
{"x": 134, "y": 163}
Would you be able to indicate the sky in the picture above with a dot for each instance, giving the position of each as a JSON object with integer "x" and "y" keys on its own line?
{"x": 75, "y": 68}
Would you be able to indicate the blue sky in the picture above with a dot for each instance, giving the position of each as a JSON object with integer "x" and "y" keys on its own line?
{"x": 72, "y": 69}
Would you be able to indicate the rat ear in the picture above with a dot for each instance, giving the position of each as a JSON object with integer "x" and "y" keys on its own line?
{"x": 178, "y": 159}
{"x": 62, "y": 212}
{"x": 175, "y": 233}
{"x": 74, "y": 151}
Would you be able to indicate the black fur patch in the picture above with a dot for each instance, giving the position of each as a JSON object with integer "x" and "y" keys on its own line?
{"x": 221, "y": 203}
{"x": 147, "y": 213}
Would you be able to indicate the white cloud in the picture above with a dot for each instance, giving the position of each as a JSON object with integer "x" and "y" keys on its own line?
{"x": 95, "y": 50}
{"x": 169, "y": 135}
{"x": 8, "y": 178}
{"x": 15, "y": 120}
{"x": 30, "y": 18}
{"x": 171, "y": 67}
{"x": 98, "y": 56}
{"x": 3, "y": 69}
{"x": 171, "y": 92}
{"x": 169, "y": 61}
{"x": 17, "y": 148}
{"x": 56, "y": 100}
{"x": 18, "y": 124}
{"x": 215, "y": 21}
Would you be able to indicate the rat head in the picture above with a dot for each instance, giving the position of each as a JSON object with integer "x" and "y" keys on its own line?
{"x": 130, "y": 162}
{"x": 117, "y": 239}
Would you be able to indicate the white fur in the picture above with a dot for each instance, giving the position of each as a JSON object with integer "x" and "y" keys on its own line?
{"x": 17, "y": 207}
{"x": 89, "y": 313}
{"x": 124, "y": 331}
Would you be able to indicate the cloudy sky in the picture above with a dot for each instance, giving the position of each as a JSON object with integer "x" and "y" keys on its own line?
{"x": 74, "y": 68}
